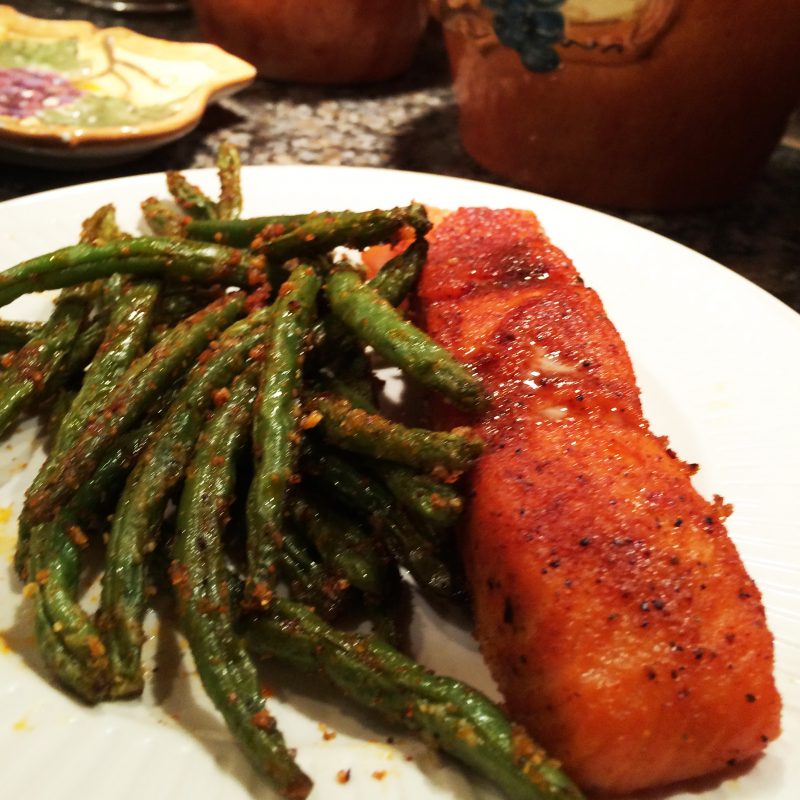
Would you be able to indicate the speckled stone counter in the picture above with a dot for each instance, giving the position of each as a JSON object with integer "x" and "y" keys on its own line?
{"x": 411, "y": 123}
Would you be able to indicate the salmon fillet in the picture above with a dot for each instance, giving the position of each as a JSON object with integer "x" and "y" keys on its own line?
{"x": 611, "y": 606}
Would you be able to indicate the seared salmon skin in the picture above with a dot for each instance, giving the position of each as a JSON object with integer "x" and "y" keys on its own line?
{"x": 609, "y": 601}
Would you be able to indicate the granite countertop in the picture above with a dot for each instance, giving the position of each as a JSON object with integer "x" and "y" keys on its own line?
{"x": 411, "y": 123}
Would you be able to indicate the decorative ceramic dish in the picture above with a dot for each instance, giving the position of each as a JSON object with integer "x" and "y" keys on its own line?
{"x": 71, "y": 93}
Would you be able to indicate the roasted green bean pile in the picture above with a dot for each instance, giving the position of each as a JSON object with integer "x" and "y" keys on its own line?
{"x": 214, "y": 436}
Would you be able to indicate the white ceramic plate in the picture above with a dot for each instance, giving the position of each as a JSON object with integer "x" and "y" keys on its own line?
{"x": 716, "y": 361}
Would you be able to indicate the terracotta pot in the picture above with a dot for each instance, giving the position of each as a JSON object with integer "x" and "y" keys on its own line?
{"x": 317, "y": 41}
{"x": 671, "y": 104}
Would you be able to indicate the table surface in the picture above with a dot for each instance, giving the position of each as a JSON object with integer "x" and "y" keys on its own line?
{"x": 411, "y": 123}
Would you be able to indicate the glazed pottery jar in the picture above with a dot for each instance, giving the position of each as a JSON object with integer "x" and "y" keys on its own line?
{"x": 317, "y": 41}
{"x": 660, "y": 104}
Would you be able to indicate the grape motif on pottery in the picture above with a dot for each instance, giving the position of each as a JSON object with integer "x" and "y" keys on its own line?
{"x": 546, "y": 33}
{"x": 26, "y": 92}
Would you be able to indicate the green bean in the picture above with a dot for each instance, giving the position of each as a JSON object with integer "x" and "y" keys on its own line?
{"x": 360, "y": 431}
{"x": 55, "y": 546}
{"x": 137, "y": 390}
{"x": 393, "y": 283}
{"x": 307, "y": 579}
{"x": 320, "y": 233}
{"x": 14, "y": 334}
{"x": 92, "y": 496}
{"x": 242, "y": 232}
{"x": 54, "y": 412}
{"x": 87, "y": 684}
{"x": 376, "y": 323}
{"x": 435, "y": 503}
{"x": 101, "y": 227}
{"x": 367, "y": 496}
{"x": 342, "y": 543}
{"x": 82, "y": 352}
{"x": 457, "y": 718}
{"x": 179, "y": 302}
{"x": 190, "y": 198}
{"x": 400, "y": 274}
{"x": 176, "y": 304}
{"x": 199, "y": 573}
{"x": 140, "y": 511}
{"x": 124, "y": 341}
{"x": 428, "y": 500}
{"x": 75, "y": 653}
{"x": 229, "y": 168}
{"x": 275, "y": 427}
{"x": 29, "y": 369}
{"x": 98, "y": 490}
{"x": 296, "y": 235}
{"x": 146, "y": 256}
{"x": 163, "y": 219}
